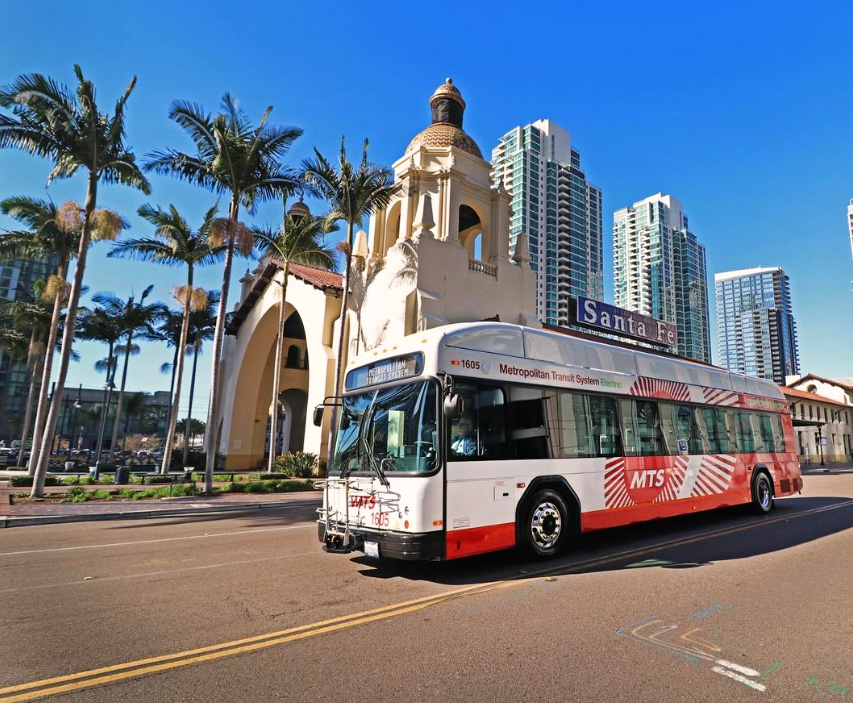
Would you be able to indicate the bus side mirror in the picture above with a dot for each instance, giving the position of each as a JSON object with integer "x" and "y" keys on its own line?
{"x": 318, "y": 416}
{"x": 452, "y": 406}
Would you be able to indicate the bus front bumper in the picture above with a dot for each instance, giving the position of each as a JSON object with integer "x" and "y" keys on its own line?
{"x": 409, "y": 546}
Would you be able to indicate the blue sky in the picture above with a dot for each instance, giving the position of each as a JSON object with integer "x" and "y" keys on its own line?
{"x": 740, "y": 110}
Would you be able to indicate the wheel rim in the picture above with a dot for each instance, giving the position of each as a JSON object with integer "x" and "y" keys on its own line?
{"x": 764, "y": 494}
{"x": 546, "y": 525}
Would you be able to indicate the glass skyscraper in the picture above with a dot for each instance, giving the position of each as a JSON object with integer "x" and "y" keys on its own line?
{"x": 557, "y": 208}
{"x": 659, "y": 270}
{"x": 17, "y": 280}
{"x": 756, "y": 331}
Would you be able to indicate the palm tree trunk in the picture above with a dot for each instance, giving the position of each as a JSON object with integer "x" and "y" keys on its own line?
{"x": 114, "y": 439}
{"x": 105, "y": 413}
{"x": 210, "y": 431}
{"x": 33, "y": 365}
{"x": 126, "y": 427}
{"x": 50, "y": 351}
{"x": 179, "y": 374}
{"x": 339, "y": 365}
{"x": 276, "y": 374}
{"x": 67, "y": 338}
{"x": 190, "y": 411}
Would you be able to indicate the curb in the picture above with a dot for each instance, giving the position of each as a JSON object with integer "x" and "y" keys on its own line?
{"x": 33, "y": 520}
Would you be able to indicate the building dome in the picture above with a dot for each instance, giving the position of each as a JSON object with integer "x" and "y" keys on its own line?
{"x": 448, "y": 109}
{"x": 299, "y": 209}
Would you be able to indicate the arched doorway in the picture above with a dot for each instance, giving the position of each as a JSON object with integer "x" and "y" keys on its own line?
{"x": 293, "y": 390}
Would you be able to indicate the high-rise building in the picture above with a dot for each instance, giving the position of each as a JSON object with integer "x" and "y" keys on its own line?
{"x": 557, "y": 208}
{"x": 756, "y": 331}
{"x": 659, "y": 270}
{"x": 17, "y": 279}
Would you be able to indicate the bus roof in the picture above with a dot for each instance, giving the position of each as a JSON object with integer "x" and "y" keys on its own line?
{"x": 575, "y": 350}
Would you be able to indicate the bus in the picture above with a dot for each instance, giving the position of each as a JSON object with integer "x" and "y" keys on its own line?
{"x": 471, "y": 438}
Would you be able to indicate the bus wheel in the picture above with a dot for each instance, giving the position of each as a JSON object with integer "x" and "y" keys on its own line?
{"x": 762, "y": 493}
{"x": 546, "y": 524}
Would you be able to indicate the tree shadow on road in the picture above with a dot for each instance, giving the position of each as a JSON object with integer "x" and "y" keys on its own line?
{"x": 690, "y": 541}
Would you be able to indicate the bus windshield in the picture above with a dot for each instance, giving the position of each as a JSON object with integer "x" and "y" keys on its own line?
{"x": 395, "y": 426}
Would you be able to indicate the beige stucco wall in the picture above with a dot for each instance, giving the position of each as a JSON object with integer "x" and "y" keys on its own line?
{"x": 248, "y": 370}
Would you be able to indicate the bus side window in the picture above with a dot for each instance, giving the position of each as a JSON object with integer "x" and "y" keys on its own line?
{"x": 606, "y": 438}
{"x": 745, "y": 438}
{"x": 570, "y": 427}
{"x": 643, "y": 423}
{"x": 701, "y": 439}
{"x": 715, "y": 419}
{"x": 667, "y": 421}
{"x": 731, "y": 419}
{"x": 528, "y": 430}
{"x": 759, "y": 434}
{"x": 481, "y": 431}
{"x": 778, "y": 434}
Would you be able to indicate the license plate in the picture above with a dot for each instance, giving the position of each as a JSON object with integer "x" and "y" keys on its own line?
{"x": 371, "y": 549}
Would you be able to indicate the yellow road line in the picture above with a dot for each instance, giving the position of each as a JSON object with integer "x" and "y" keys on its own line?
{"x": 128, "y": 670}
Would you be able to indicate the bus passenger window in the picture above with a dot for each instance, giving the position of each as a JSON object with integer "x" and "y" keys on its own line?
{"x": 641, "y": 428}
{"x": 528, "y": 430}
{"x": 745, "y": 438}
{"x": 480, "y": 432}
{"x": 570, "y": 427}
{"x": 606, "y": 439}
{"x": 778, "y": 434}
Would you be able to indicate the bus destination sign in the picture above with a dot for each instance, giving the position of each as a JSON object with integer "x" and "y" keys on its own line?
{"x": 624, "y": 323}
{"x": 385, "y": 371}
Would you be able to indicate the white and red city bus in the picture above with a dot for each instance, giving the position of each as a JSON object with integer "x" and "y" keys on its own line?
{"x": 477, "y": 437}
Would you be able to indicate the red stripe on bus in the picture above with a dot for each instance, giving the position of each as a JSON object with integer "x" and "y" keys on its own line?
{"x": 478, "y": 540}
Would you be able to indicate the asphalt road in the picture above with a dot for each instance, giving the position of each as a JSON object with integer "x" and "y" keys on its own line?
{"x": 723, "y": 606}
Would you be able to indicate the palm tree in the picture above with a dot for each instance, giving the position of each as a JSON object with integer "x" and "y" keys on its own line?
{"x": 202, "y": 329}
{"x": 299, "y": 241}
{"x": 175, "y": 243}
{"x": 352, "y": 194}
{"x": 31, "y": 316}
{"x": 134, "y": 406}
{"x": 47, "y": 234}
{"x": 103, "y": 325}
{"x": 244, "y": 162}
{"x": 50, "y": 121}
{"x": 136, "y": 321}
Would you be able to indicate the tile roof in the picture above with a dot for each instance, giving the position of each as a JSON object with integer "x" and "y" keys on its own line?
{"x": 805, "y": 395}
{"x": 830, "y": 381}
{"x": 317, "y": 277}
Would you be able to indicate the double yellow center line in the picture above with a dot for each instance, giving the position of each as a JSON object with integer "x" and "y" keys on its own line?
{"x": 166, "y": 662}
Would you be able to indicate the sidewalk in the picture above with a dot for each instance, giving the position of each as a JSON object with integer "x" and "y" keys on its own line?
{"x": 50, "y": 513}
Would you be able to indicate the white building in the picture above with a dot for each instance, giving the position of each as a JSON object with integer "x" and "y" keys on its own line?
{"x": 659, "y": 270}
{"x": 557, "y": 208}
{"x": 822, "y": 426}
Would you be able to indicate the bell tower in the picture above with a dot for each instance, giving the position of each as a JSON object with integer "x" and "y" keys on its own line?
{"x": 439, "y": 252}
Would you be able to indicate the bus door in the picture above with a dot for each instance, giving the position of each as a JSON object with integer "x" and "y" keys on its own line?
{"x": 480, "y": 486}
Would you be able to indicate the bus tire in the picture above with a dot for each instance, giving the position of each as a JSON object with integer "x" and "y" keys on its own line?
{"x": 545, "y": 528}
{"x": 762, "y": 493}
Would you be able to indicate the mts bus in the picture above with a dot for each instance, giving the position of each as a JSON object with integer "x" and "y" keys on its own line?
{"x": 477, "y": 437}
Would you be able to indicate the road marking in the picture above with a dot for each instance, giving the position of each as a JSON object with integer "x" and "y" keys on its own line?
{"x": 737, "y": 677}
{"x": 158, "y": 541}
{"x": 128, "y": 670}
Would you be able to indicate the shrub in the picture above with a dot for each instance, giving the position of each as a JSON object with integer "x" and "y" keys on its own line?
{"x": 27, "y": 481}
{"x": 257, "y": 487}
{"x": 78, "y": 494}
{"x": 298, "y": 464}
{"x": 102, "y": 494}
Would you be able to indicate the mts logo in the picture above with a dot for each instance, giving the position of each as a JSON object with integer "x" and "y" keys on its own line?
{"x": 648, "y": 479}
{"x": 363, "y": 502}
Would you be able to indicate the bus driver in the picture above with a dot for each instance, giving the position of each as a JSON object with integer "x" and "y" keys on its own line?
{"x": 465, "y": 444}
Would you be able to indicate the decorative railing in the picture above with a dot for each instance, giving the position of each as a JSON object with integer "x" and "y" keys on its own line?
{"x": 482, "y": 267}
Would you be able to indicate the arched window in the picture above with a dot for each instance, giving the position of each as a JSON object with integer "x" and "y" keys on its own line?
{"x": 294, "y": 357}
